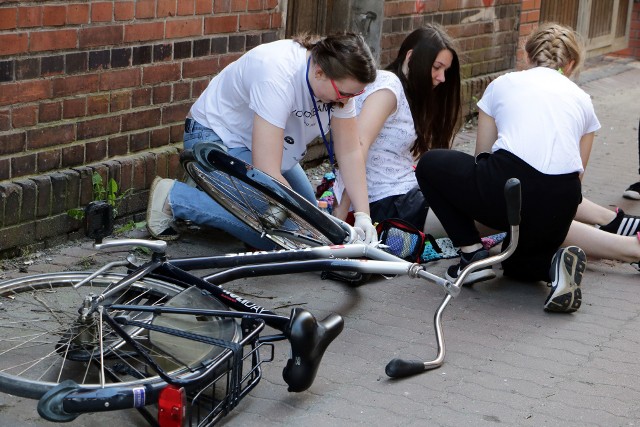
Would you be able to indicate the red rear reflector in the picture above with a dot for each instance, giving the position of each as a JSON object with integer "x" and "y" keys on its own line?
{"x": 172, "y": 407}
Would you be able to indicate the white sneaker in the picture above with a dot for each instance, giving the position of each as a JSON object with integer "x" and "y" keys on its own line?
{"x": 160, "y": 224}
{"x": 566, "y": 272}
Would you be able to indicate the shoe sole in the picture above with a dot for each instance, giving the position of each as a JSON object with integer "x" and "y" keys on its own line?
{"x": 633, "y": 195}
{"x": 160, "y": 236}
{"x": 567, "y": 272}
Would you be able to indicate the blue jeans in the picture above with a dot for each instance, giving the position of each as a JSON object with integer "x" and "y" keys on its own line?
{"x": 192, "y": 204}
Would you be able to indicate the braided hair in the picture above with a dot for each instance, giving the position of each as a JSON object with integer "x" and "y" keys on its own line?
{"x": 555, "y": 46}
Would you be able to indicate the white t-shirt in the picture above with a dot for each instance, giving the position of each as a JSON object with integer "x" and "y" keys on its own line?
{"x": 389, "y": 161}
{"x": 269, "y": 80}
{"x": 541, "y": 116}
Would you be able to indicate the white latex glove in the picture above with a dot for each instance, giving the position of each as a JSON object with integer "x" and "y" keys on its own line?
{"x": 365, "y": 228}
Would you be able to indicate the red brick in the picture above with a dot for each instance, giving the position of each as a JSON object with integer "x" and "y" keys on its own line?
{"x": 119, "y": 79}
{"x": 175, "y": 112}
{"x": 141, "y": 97}
{"x": 29, "y": 17}
{"x": 124, "y": 10}
{"x": 120, "y": 101}
{"x": 221, "y": 6}
{"x": 390, "y": 9}
{"x": 77, "y": 13}
{"x": 177, "y": 133}
{"x": 5, "y": 175}
{"x": 161, "y": 94}
{"x": 74, "y": 107}
{"x": 53, "y": 40}
{"x": 8, "y": 93}
{"x": 186, "y": 8}
{"x": 13, "y": 43}
{"x": 101, "y": 11}
{"x": 48, "y": 160}
{"x": 144, "y": 31}
{"x": 34, "y": 90}
{"x": 141, "y": 119}
{"x": 221, "y": 24}
{"x": 145, "y": 9}
{"x": 276, "y": 20}
{"x": 73, "y": 155}
{"x": 407, "y": 7}
{"x": 139, "y": 142}
{"x": 24, "y": 116}
{"x": 73, "y": 85}
{"x": 98, "y": 127}
{"x": 181, "y": 91}
{"x": 238, "y": 5}
{"x": 255, "y": 21}
{"x": 204, "y": 7}
{"x": 98, "y": 104}
{"x": 448, "y": 5}
{"x": 54, "y": 15}
{"x": 118, "y": 146}
{"x": 270, "y": 4}
{"x": 8, "y": 18}
{"x": 5, "y": 120}
{"x": 202, "y": 67}
{"x": 50, "y": 111}
{"x": 198, "y": 86}
{"x": 13, "y": 143}
{"x": 49, "y": 136}
{"x": 159, "y": 137}
{"x": 253, "y": 5}
{"x": 161, "y": 73}
{"x": 167, "y": 8}
{"x": 228, "y": 59}
{"x": 183, "y": 28}
{"x": 23, "y": 165}
{"x": 95, "y": 151}
{"x": 101, "y": 36}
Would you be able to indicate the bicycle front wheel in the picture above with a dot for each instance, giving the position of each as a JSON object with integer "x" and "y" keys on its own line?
{"x": 45, "y": 339}
{"x": 260, "y": 201}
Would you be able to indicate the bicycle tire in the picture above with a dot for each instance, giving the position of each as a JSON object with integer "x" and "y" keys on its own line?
{"x": 260, "y": 201}
{"x": 42, "y": 342}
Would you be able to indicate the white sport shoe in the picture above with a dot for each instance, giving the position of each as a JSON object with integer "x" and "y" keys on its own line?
{"x": 567, "y": 268}
{"x": 160, "y": 224}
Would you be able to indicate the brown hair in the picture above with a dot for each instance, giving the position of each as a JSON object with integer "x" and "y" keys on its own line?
{"x": 555, "y": 46}
{"x": 341, "y": 56}
{"x": 435, "y": 110}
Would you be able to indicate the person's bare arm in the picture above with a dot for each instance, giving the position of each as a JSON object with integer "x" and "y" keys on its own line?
{"x": 586, "y": 142}
{"x": 351, "y": 161}
{"x": 487, "y": 133}
{"x": 376, "y": 109}
{"x": 267, "y": 147}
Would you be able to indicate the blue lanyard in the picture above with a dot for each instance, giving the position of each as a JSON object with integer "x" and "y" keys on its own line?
{"x": 327, "y": 144}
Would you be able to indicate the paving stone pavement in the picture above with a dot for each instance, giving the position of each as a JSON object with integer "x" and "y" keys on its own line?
{"x": 507, "y": 362}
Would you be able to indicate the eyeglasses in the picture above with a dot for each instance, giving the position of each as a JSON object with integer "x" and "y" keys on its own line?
{"x": 344, "y": 95}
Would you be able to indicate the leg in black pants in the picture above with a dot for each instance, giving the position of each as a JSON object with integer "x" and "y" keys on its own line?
{"x": 459, "y": 191}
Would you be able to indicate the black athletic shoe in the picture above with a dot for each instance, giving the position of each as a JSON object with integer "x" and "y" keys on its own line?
{"x": 567, "y": 268}
{"x": 483, "y": 274}
{"x": 624, "y": 225}
{"x": 633, "y": 192}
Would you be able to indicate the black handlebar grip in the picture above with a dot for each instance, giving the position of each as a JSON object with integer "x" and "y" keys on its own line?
{"x": 399, "y": 368}
{"x": 514, "y": 201}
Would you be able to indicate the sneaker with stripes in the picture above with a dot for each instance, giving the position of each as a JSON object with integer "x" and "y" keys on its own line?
{"x": 624, "y": 225}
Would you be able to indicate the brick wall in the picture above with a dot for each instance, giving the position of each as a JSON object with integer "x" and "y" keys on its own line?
{"x": 485, "y": 30}
{"x": 104, "y": 85}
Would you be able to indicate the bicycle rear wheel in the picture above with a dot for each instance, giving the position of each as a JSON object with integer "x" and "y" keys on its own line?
{"x": 260, "y": 201}
{"x": 44, "y": 341}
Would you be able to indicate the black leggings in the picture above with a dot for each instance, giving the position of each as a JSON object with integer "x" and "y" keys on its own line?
{"x": 461, "y": 190}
